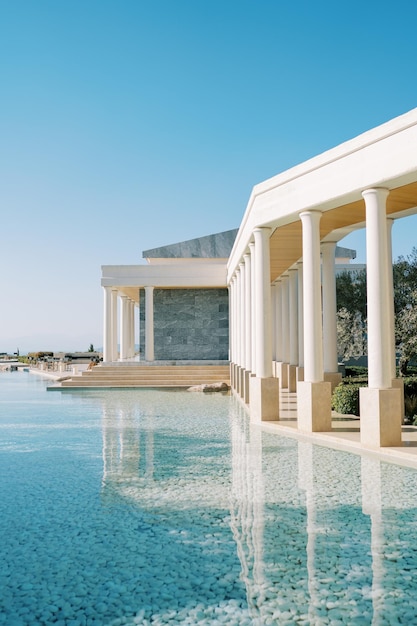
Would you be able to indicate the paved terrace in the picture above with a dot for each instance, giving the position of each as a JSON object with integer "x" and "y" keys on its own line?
{"x": 345, "y": 434}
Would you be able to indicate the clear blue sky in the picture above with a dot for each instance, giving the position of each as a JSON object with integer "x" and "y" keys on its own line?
{"x": 133, "y": 124}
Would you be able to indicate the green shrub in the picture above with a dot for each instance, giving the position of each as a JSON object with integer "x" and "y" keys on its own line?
{"x": 356, "y": 370}
{"x": 362, "y": 381}
{"x": 410, "y": 408}
{"x": 410, "y": 386}
{"x": 345, "y": 398}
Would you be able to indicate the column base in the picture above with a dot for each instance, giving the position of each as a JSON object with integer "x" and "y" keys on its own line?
{"x": 246, "y": 386}
{"x": 334, "y": 378}
{"x": 237, "y": 379}
{"x": 292, "y": 378}
{"x": 398, "y": 383}
{"x": 314, "y": 401}
{"x": 242, "y": 382}
{"x": 299, "y": 374}
{"x": 281, "y": 372}
{"x": 380, "y": 417}
{"x": 237, "y": 368}
{"x": 264, "y": 399}
{"x": 232, "y": 375}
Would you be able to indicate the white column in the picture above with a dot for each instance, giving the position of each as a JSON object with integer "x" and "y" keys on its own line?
{"x": 231, "y": 328}
{"x": 129, "y": 327}
{"x": 300, "y": 316}
{"x": 390, "y": 222}
{"x": 274, "y": 323}
{"x": 285, "y": 313}
{"x": 263, "y": 303}
{"x": 242, "y": 307}
{"x": 278, "y": 320}
{"x": 107, "y": 338}
{"x": 132, "y": 329}
{"x": 379, "y": 306}
{"x": 293, "y": 309}
{"x": 238, "y": 318}
{"x": 123, "y": 327}
{"x": 248, "y": 316}
{"x": 149, "y": 329}
{"x": 231, "y": 332}
{"x": 253, "y": 307}
{"x": 380, "y": 403}
{"x": 234, "y": 319}
{"x": 313, "y": 335}
{"x": 328, "y": 250}
{"x": 114, "y": 294}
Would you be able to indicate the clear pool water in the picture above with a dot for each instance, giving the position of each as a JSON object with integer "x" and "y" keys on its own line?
{"x": 147, "y": 507}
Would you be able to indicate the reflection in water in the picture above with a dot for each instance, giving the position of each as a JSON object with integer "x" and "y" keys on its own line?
{"x": 150, "y": 508}
{"x": 307, "y": 522}
{"x": 372, "y": 506}
{"x": 247, "y": 508}
{"x": 343, "y": 577}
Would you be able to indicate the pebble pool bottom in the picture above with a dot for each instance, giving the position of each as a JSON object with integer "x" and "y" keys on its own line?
{"x": 151, "y": 507}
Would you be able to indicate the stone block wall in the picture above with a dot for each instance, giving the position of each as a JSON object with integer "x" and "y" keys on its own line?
{"x": 189, "y": 324}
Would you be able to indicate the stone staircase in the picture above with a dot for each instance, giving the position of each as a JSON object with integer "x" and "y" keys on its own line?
{"x": 149, "y": 376}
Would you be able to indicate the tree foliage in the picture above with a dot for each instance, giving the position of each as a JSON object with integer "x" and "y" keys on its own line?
{"x": 405, "y": 332}
{"x": 351, "y": 292}
{"x": 351, "y": 313}
{"x": 351, "y": 337}
{"x": 351, "y": 307}
{"x": 405, "y": 280}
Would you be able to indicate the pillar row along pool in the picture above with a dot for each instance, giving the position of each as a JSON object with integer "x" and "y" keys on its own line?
{"x": 263, "y": 297}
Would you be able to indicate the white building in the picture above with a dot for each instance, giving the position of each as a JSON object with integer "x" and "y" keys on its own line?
{"x": 280, "y": 275}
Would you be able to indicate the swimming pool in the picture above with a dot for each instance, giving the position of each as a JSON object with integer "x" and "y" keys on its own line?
{"x": 148, "y": 507}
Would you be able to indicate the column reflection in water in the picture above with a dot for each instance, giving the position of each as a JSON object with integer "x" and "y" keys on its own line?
{"x": 267, "y": 521}
{"x": 372, "y": 506}
{"x": 247, "y": 502}
{"x": 121, "y": 449}
{"x": 338, "y": 537}
{"x": 306, "y": 483}
{"x": 388, "y": 496}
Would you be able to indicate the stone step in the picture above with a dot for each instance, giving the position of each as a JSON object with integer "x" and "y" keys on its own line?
{"x": 150, "y": 376}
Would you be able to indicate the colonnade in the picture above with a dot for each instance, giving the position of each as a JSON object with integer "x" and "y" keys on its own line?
{"x": 118, "y": 335}
{"x": 123, "y": 334}
{"x": 284, "y": 334}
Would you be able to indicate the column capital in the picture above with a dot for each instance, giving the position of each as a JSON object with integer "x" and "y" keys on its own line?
{"x": 262, "y": 229}
{"x": 311, "y": 212}
{"x": 328, "y": 245}
{"x": 376, "y": 191}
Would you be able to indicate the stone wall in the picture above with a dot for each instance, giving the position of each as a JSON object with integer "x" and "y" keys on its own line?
{"x": 189, "y": 324}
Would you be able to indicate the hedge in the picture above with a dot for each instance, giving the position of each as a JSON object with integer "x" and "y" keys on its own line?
{"x": 345, "y": 398}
